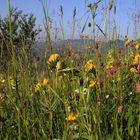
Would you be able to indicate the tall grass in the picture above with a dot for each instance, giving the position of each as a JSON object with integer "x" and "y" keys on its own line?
{"x": 93, "y": 96}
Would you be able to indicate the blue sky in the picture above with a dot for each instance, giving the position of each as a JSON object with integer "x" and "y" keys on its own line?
{"x": 124, "y": 11}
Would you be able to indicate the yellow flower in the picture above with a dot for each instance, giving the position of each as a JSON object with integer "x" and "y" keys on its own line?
{"x": 109, "y": 64}
{"x": 137, "y": 45}
{"x": 2, "y": 80}
{"x": 110, "y": 54}
{"x": 92, "y": 83}
{"x": 137, "y": 59}
{"x": 133, "y": 70}
{"x": 127, "y": 41}
{"x": 110, "y": 59}
{"x": 38, "y": 86}
{"x": 118, "y": 78}
{"x": 71, "y": 117}
{"x": 89, "y": 65}
{"x": 45, "y": 81}
{"x": 53, "y": 57}
{"x": 90, "y": 61}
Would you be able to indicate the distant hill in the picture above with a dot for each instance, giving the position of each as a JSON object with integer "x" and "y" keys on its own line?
{"x": 76, "y": 44}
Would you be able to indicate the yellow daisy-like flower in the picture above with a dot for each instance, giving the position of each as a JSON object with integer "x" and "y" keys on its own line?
{"x": 137, "y": 59}
{"x": 71, "y": 117}
{"x": 89, "y": 65}
{"x": 137, "y": 45}
{"x": 53, "y": 57}
{"x": 45, "y": 81}
{"x": 133, "y": 70}
{"x": 38, "y": 86}
{"x": 92, "y": 83}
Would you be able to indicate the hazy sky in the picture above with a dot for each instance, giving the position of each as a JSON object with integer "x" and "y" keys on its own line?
{"x": 124, "y": 10}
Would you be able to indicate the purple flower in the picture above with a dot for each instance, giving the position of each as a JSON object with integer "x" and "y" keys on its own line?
{"x": 138, "y": 69}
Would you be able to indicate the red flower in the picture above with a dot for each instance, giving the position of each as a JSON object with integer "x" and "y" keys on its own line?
{"x": 110, "y": 72}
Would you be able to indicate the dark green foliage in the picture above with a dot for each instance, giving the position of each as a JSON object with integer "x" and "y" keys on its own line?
{"x": 24, "y": 34}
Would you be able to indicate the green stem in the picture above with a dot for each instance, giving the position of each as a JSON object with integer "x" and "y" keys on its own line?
{"x": 19, "y": 130}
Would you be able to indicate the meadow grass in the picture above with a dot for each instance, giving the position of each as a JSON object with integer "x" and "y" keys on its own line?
{"x": 90, "y": 95}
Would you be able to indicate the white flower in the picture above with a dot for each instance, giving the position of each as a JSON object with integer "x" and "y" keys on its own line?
{"x": 77, "y": 91}
{"x": 85, "y": 90}
{"x": 107, "y": 96}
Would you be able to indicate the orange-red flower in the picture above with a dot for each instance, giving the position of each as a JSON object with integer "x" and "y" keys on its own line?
{"x": 45, "y": 81}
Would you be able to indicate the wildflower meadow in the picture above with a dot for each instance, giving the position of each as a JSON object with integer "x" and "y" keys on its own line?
{"x": 64, "y": 93}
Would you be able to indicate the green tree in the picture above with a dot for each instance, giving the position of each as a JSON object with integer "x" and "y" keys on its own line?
{"x": 24, "y": 33}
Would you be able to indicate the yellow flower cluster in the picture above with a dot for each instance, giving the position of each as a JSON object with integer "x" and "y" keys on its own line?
{"x": 133, "y": 70}
{"x": 134, "y": 42}
{"x": 39, "y": 84}
{"x": 110, "y": 59}
{"x": 109, "y": 64}
{"x": 126, "y": 43}
{"x": 71, "y": 117}
{"x": 137, "y": 45}
{"x": 118, "y": 77}
{"x": 89, "y": 65}
{"x": 92, "y": 83}
{"x": 137, "y": 59}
